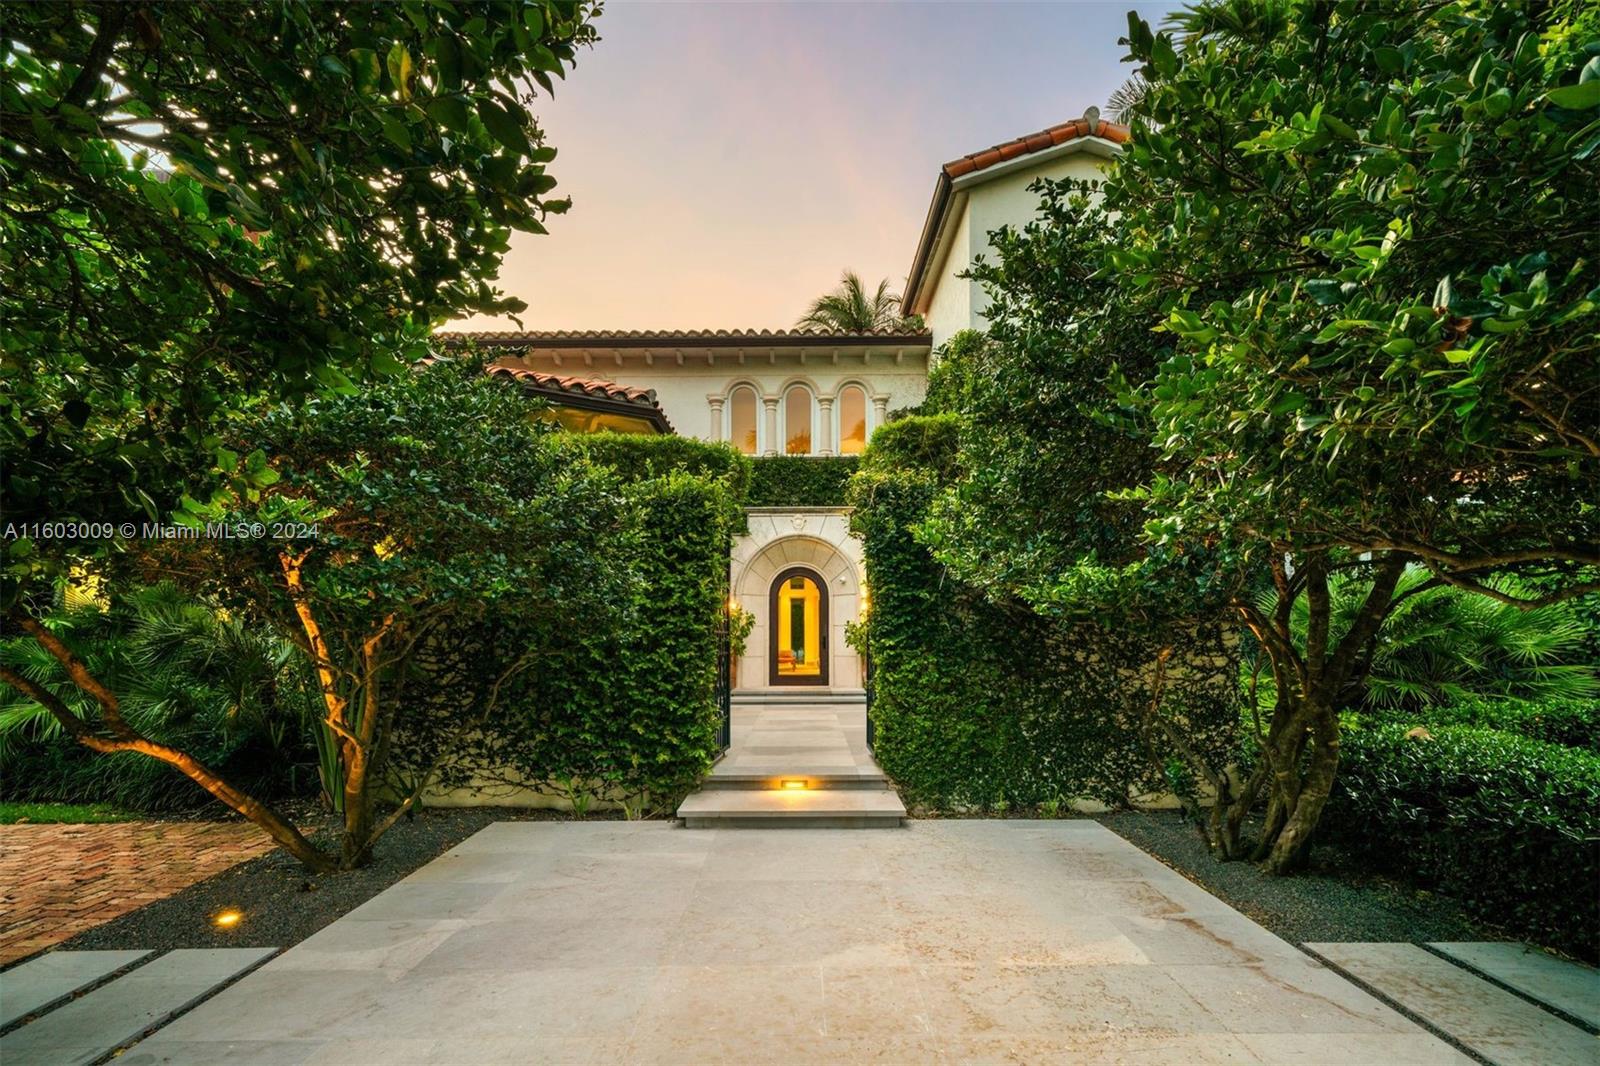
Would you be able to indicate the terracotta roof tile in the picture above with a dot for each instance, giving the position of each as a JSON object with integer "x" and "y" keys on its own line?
{"x": 1035, "y": 142}
{"x": 602, "y": 338}
{"x": 609, "y": 390}
{"x": 586, "y": 393}
{"x": 1090, "y": 125}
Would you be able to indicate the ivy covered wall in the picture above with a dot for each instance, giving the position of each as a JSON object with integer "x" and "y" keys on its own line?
{"x": 619, "y": 706}
{"x": 987, "y": 705}
{"x": 800, "y": 480}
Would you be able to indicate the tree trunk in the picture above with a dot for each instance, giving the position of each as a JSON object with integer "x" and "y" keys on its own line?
{"x": 1292, "y": 845}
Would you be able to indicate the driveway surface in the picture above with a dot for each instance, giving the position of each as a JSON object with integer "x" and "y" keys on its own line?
{"x": 58, "y": 880}
{"x": 946, "y": 941}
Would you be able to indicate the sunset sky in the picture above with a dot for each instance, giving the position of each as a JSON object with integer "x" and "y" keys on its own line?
{"x": 728, "y": 160}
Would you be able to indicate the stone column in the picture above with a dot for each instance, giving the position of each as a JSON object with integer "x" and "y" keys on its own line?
{"x": 716, "y": 417}
{"x": 771, "y": 404}
{"x": 825, "y": 420}
{"x": 880, "y": 413}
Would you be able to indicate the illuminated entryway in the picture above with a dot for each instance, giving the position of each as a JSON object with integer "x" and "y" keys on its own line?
{"x": 814, "y": 544}
{"x": 798, "y": 614}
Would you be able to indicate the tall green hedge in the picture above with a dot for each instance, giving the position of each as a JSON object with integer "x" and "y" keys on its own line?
{"x": 634, "y": 456}
{"x": 621, "y": 705}
{"x": 800, "y": 480}
{"x": 989, "y": 705}
{"x": 1508, "y": 825}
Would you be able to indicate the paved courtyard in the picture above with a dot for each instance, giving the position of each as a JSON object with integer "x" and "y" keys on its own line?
{"x": 960, "y": 941}
{"x": 58, "y": 880}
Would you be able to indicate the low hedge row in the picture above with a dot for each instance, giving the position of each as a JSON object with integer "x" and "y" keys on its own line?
{"x": 800, "y": 480}
{"x": 1571, "y": 723}
{"x": 1506, "y": 824}
{"x": 637, "y": 457}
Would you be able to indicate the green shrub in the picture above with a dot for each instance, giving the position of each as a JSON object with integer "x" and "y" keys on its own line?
{"x": 1570, "y": 723}
{"x": 232, "y": 693}
{"x": 620, "y": 703}
{"x": 800, "y": 480}
{"x": 1508, "y": 825}
{"x": 989, "y": 705}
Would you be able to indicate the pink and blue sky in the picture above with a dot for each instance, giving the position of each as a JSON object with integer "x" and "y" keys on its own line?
{"x": 728, "y": 160}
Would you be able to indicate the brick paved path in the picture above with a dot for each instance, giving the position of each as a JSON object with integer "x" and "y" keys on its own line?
{"x": 58, "y": 880}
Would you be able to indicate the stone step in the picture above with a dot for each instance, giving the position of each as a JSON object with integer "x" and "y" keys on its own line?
{"x": 812, "y": 780}
{"x": 45, "y": 981}
{"x": 92, "y": 1027}
{"x": 811, "y": 698}
{"x": 832, "y": 808}
{"x": 1570, "y": 989}
{"x": 1494, "y": 1024}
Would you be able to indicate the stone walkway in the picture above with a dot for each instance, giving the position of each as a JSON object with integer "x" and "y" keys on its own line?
{"x": 58, "y": 880}
{"x": 965, "y": 941}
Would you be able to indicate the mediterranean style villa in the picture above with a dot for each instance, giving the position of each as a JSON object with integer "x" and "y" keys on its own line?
{"x": 803, "y": 393}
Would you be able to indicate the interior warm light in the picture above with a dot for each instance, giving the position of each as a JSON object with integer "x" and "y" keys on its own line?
{"x": 794, "y": 784}
{"x": 227, "y": 919}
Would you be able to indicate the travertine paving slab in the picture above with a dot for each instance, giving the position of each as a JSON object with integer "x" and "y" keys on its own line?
{"x": 1504, "y": 1028}
{"x": 114, "y": 1014}
{"x": 41, "y": 981}
{"x": 953, "y": 941}
{"x": 1566, "y": 986}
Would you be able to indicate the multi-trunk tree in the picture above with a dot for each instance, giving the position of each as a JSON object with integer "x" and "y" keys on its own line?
{"x": 201, "y": 212}
{"x": 1365, "y": 237}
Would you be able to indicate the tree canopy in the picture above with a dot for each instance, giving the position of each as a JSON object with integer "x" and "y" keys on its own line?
{"x": 200, "y": 209}
{"x": 1334, "y": 310}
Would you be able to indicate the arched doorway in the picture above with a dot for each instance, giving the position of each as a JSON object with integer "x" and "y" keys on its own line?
{"x": 797, "y": 613}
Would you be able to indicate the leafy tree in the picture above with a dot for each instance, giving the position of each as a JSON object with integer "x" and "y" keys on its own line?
{"x": 1364, "y": 234}
{"x": 408, "y": 516}
{"x": 848, "y": 309}
{"x": 1372, "y": 229}
{"x": 199, "y": 210}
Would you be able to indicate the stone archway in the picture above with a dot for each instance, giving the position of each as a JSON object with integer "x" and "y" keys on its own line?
{"x": 770, "y": 550}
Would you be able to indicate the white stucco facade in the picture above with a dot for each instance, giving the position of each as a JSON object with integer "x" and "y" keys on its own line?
{"x": 969, "y": 208}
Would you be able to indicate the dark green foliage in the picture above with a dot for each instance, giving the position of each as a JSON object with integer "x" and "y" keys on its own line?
{"x": 928, "y": 442}
{"x": 1508, "y": 825}
{"x": 989, "y": 705}
{"x": 205, "y": 205}
{"x": 233, "y": 693}
{"x": 800, "y": 480}
{"x": 617, "y": 700}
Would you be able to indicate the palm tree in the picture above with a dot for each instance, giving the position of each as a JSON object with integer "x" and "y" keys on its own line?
{"x": 848, "y": 309}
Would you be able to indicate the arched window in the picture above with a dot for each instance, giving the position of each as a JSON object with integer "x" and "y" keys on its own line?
{"x": 852, "y": 420}
{"x": 797, "y": 421}
{"x": 742, "y": 419}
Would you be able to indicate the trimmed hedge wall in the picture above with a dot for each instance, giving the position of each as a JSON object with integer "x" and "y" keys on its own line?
{"x": 1573, "y": 724}
{"x": 634, "y": 456}
{"x": 621, "y": 705}
{"x": 800, "y": 480}
{"x": 988, "y": 706}
{"x": 1508, "y": 825}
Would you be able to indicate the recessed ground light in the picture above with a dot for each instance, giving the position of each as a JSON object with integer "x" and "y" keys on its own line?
{"x": 227, "y": 919}
{"x": 794, "y": 784}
